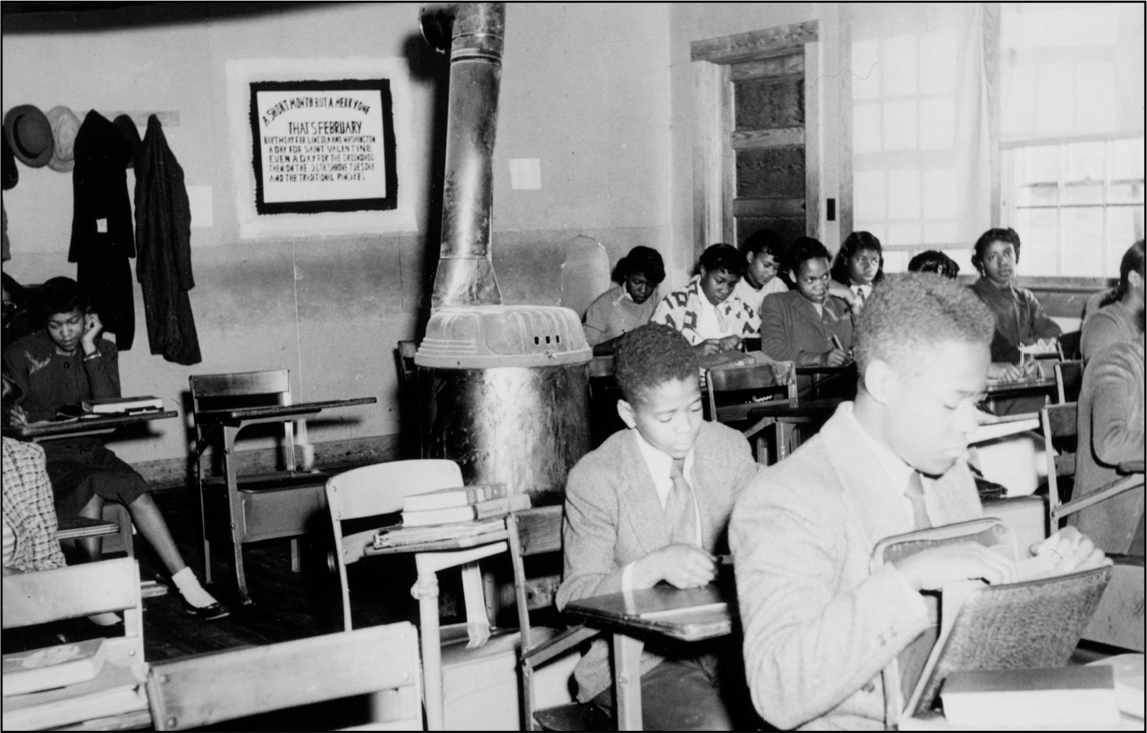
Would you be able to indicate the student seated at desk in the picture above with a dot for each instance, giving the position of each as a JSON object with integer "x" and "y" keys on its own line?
{"x": 859, "y": 264}
{"x": 763, "y": 253}
{"x": 819, "y": 626}
{"x": 629, "y": 305}
{"x": 1120, "y": 315}
{"x": 1111, "y": 431}
{"x": 934, "y": 261}
{"x": 1020, "y": 319}
{"x": 707, "y": 311}
{"x": 799, "y": 325}
{"x": 64, "y": 363}
{"x": 651, "y": 505}
{"x": 30, "y": 523}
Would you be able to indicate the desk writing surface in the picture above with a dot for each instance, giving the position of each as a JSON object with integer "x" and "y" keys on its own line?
{"x": 85, "y": 425}
{"x": 692, "y": 614}
{"x": 800, "y": 409}
{"x": 1131, "y": 466}
{"x": 299, "y": 408}
{"x": 1023, "y": 385}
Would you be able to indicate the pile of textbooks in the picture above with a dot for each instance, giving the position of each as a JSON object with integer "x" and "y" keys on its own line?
{"x": 453, "y": 513}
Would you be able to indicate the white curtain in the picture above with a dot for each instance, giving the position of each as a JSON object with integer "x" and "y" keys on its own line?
{"x": 920, "y": 125}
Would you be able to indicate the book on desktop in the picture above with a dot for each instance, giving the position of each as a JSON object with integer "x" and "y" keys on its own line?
{"x": 113, "y": 405}
{"x": 458, "y": 496}
{"x": 479, "y": 510}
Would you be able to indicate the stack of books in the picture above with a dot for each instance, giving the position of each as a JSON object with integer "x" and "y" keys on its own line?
{"x": 119, "y": 405}
{"x": 464, "y": 511}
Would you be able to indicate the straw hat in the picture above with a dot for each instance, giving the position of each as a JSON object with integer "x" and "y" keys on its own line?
{"x": 65, "y": 125}
{"x": 29, "y": 135}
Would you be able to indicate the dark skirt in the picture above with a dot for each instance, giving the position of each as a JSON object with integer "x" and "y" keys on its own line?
{"x": 83, "y": 467}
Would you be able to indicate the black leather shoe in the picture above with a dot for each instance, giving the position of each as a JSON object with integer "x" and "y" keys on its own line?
{"x": 206, "y": 613}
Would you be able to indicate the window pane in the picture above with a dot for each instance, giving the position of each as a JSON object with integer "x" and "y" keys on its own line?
{"x": 1083, "y": 242}
{"x": 940, "y": 194}
{"x": 1039, "y": 231}
{"x": 900, "y": 125}
{"x": 939, "y": 232}
{"x": 1084, "y": 162}
{"x": 904, "y": 234}
{"x": 1039, "y": 164}
{"x": 868, "y": 196}
{"x": 1083, "y": 193}
{"x": 904, "y": 196}
{"x": 866, "y": 128}
{"x": 865, "y": 63}
{"x": 899, "y": 65}
{"x": 1094, "y": 97}
{"x": 1054, "y": 107}
{"x": 1126, "y": 159}
{"x": 1121, "y": 234}
{"x": 1045, "y": 195}
{"x": 896, "y": 261}
{"x": 1125, "y": 193}
{"x": 937, "y": 123}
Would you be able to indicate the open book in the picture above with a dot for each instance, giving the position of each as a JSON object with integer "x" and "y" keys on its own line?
{"x": 1031, "y": 624}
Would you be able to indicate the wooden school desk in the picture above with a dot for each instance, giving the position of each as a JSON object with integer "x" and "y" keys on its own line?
{"x": 694, "y": 614}
{"x": 94, "y": 425}
{"x": 1022, "y": 388}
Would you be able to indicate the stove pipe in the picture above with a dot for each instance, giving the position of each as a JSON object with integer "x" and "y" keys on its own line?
{"x": 474, "y": 31}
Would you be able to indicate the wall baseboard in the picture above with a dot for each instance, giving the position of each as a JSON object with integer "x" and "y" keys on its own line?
{"x": 334, "y": 456}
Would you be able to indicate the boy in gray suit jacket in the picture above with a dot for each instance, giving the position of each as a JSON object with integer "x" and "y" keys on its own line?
{"x": 651, "y": 505}
{"x": 819, "y": 626}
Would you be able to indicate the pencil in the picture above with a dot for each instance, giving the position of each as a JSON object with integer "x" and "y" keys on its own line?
{"x": 836, "y": 342}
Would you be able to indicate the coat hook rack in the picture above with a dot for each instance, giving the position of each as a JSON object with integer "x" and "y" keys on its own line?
{"x": 167, "y": 119}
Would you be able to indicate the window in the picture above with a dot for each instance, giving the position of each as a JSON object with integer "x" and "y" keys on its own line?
{"x": 1078, "y": 206}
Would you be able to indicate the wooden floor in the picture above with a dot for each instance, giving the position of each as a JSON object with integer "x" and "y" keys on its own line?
{"x": 286, "y": 605}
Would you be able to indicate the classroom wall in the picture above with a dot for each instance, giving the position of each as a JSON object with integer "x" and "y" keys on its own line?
{"x": 585, "y": 89}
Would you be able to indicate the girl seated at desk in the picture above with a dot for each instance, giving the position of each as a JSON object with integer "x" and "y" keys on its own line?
{"x": 805, "y": 325}
{"x": 859, "y": 264}
{"x": 1020, "y": 319}
{"x": 707, "y": 311}
{"x": 630, "y": 304}
{"x": 64, "y": 363}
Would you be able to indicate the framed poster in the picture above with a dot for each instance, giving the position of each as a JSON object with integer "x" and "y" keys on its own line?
{"x": 323, "y": 146}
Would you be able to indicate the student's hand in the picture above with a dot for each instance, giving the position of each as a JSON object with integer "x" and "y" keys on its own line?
{"x": 1066, "y": 551}
{"x": 93, "y": 327}
{"x": 730, "y": 343}
{"x": 679, "y": 564}
{"x": 17, "y": 418}
{"x": 835, "y": 358}
{"x": 931, "y": 569}
{"x": 845, "y": 293}
{"x": 708, "y": 347}
{"x": 1004, "y": 371}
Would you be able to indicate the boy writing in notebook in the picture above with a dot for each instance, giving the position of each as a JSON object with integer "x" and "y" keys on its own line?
{"x": 819, "y": 626}
{"x": 648, "y": 506}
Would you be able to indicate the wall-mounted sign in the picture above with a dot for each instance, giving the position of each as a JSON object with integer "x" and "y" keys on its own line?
{"x": 323, "y": 146}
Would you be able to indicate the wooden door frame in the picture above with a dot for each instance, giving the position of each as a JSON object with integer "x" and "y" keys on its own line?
{"x": 714, "y": 164}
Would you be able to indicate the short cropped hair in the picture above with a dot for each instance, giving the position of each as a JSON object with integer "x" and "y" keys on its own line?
{"x": 853, "y": 243}
{"x": 805, "y": 248}
{"x": 1008, "y": 235}
{"x": 763, "y": 240}
{"x": 60, "y": 295}
{"x": 644, "y": 260}
{"x": 650, "y": 356}
{"x": 911, "y": 313}
{"x": 934, "y": 261}
{"x": 723, "y": 256}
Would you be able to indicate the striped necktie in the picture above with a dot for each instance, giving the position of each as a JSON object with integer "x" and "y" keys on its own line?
{"x": 680, "y": 514}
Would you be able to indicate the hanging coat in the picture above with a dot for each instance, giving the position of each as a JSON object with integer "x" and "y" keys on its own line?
{"x": 163, "y": 239}
{"x": 102, "y": 239}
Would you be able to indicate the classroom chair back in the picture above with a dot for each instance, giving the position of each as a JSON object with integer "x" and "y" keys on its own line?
{"x": 381, "y": 661}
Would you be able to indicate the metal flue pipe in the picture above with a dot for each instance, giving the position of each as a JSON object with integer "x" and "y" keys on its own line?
{"x": 465, "y": 275}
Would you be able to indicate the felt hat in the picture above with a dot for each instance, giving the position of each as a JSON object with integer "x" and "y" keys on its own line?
{"x": 9, "y": 175}
{"x": 65, "y": 125}
{"x": 29, "y": 135}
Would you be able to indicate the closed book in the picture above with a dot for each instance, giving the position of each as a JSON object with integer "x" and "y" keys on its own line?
{"x": 54, "y": 666}
{"x": 454, "y": 497}
{"x": 397, "y": 536}
{"x": 445, "y": 515}
{"x": 112, "y": 405}
{"x": 1062, "y": 698}
{"x": 498, "y": 507}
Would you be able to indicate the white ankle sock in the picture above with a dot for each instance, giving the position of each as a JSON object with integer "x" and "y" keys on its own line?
{"x": 105, "y": 619}
{"x": 191, "y": 590}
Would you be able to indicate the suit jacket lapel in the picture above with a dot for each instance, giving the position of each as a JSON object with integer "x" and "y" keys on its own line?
{"x": 806, "y": 310}
{"x": 866, "y": 492}
{"x": 638, "y": 500}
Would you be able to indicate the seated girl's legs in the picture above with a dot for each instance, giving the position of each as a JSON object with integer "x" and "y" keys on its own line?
{"x": 89, "y": 547}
